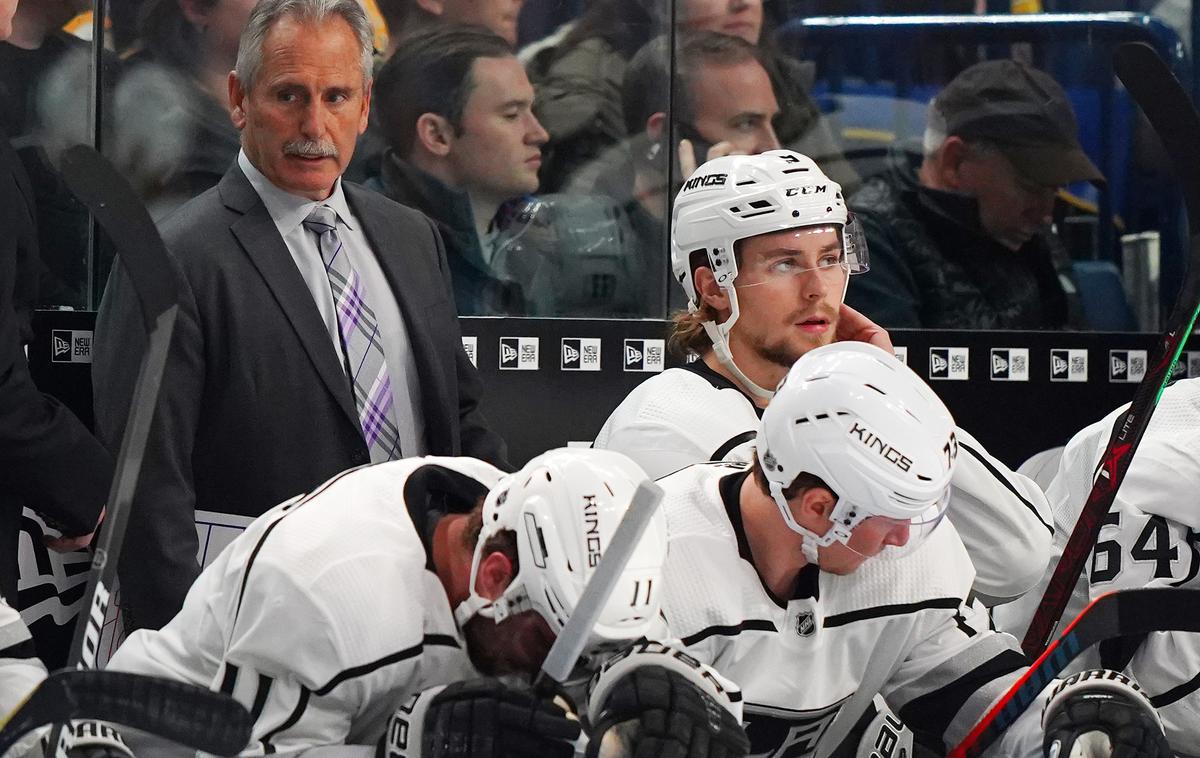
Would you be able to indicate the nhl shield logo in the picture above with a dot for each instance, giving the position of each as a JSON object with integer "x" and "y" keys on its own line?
{"x": 806, "y": 624}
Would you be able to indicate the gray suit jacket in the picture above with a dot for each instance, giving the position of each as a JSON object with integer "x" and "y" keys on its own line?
{"x": 255, "y": 406}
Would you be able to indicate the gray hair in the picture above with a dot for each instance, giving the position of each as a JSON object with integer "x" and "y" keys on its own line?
{"x": 935, "y": 135}
{"x": 267, "y": 12}
{"x": 935, "y": 130}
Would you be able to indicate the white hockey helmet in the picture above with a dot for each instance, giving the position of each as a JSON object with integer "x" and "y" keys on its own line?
{"x": 740, "y": 196}
{"x": 855, "y": 416}
{"x": 564, "y": 507}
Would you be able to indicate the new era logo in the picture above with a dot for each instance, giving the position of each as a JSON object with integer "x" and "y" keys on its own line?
{"x": 1068, "y": 365}
{"x": 1188, "y": 365}
{"x": 1126, "y": 365}
{"x": 645, "y": 355}
{"x": 939, "y": 365}
{"x": 1010, "y": 364}
{"x": 62, "y": 343}
{"x": 519, "y": 353}
{"x": 948, "y": 363}
{"x": 580, "y": 354}
{"x": 471, "y": 348}
{"x": 70, "y": 346}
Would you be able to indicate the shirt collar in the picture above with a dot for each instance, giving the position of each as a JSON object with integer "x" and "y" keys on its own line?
{"x": 288, "y": 210}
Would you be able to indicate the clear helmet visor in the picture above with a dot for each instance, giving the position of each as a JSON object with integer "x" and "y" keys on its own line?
{"x": 828, "y": 250}
{"x": 890, "y": 538}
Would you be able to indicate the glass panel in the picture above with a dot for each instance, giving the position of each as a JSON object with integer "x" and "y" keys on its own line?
{"x": 589, "y": 237}
{"x": 987, "y": 221}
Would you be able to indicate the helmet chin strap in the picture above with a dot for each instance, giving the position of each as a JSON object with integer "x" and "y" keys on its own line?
{"x": 717, "y": 333}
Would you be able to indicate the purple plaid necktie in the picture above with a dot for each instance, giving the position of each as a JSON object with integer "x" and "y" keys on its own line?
{"x": 359, "y": 331}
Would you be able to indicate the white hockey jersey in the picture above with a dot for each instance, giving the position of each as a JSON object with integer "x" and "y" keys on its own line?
{"x": 1150, "y": 538}
{"x": 20, "y": 670}
{"x": 323, "y": 615}
{"x": 694, "y": 415}
{"x": 810, "y": 665}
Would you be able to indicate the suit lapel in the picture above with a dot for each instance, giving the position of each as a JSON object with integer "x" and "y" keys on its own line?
{"x": 388, "y": 238}
{"x": 256, "y": 232}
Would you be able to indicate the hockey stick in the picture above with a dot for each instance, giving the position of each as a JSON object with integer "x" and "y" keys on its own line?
{"x": 1168, "y": 108}
{"x": 208, "y": 721}
{"x": 1113, "y": 614}
{"x": 569, "y": 644}
{"x": 115, "y": 206}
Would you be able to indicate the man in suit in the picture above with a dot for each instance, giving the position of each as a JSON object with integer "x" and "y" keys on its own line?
{"x": 48, "y": 460}
{"x": 316, "y": 329}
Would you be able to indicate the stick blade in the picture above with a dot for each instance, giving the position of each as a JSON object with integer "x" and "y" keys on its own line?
{"x": 188, "y": 715}
{"x": 569, "y": 644}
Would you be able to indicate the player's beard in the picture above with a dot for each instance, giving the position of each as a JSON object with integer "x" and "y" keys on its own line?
{"x": 785, "y": 351}
{"x": 517, "y": 645}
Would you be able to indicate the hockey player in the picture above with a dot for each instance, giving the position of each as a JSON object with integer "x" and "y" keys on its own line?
{"x": 763, "y": 246}
{"x": 1150, "y": 538}
{"x": 822, "y": 573}
{"x": 388, "y": 590}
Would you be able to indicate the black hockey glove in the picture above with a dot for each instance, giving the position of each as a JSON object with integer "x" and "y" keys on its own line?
{"x": 479, "y": 718}
{"x": 660, "y": 702}
{"x": 1102, "y": 714}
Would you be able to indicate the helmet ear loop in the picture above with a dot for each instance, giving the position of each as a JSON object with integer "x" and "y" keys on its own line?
{"x": 718, "y": 333}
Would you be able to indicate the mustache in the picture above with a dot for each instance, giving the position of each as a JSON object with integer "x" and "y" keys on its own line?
{"x": 310, "y": 148}
{"x": 803, "y": 315}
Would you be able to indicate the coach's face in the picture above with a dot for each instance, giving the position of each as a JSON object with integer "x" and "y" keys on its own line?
{"x": 301, "y": 117}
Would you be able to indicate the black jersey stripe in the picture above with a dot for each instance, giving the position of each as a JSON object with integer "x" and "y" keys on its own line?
{"x": 930, "y": 714}
{"x": 288, "y": 507}
{"x": 292, "y": 720}
{"x": 437, "y": 640}
{"x": 731, "y": 630}
{"x": 260, "y": 696}
{"x": 730, "y": 444}
{"x": 1009, "y": 485}
{"x": 1176, "y": 694}
{"x": 899, "y": 609}
{"x": 20, "y": 650}
{"x": 230, "y": 678}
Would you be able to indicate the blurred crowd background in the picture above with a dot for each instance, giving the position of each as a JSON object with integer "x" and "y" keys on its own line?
{"x": 564, "y": 121}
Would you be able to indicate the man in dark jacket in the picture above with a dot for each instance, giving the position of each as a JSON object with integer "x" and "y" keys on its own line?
{"x": 455, "y": 106}
{"x": 48, "y": 460}
{"x": 963, "y": 241}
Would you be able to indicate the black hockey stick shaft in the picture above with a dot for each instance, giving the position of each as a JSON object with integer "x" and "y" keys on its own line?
{"x": 1170, "y": 112}
{"x": 1114, "y": 614}
{"x": 208, "y": 721}
{"x": 116, "y": 208}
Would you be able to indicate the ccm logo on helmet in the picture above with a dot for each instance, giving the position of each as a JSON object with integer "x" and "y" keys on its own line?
{"x": 889, "y": 453}
{"x": 708, "y": 180}
{"x": 808, "y": 189}
{"x": 592, "y": 521}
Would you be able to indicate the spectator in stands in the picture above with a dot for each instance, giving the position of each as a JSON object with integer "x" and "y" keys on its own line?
{"x": 579, "y": 82}
{"x": 724, "y": 104}
{"x": 175, "y": 134}
{"x": 963, "y": 240}
{"x": 41, "y": 116}
{"x": 455, "y": 107}
{"x": 404, "y": 17}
